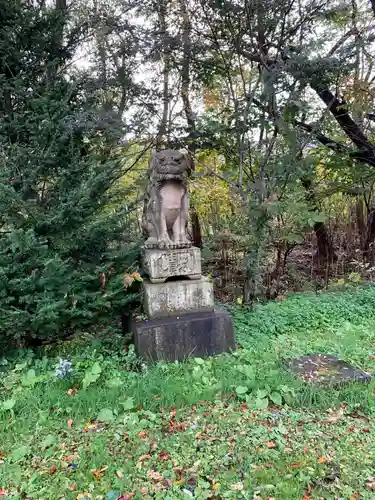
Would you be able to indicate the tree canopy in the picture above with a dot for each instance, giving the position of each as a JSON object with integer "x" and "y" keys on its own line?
{"x": 273, "y": 99}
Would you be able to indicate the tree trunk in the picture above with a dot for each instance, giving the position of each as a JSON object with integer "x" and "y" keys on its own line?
{"x": 324, "y": 250}
{"x": 57, "y": 40}
{"x": 196, "y": 229}
{"x": 369, "y": 235}
{"x": 360, "y": 220}
{"x": 102, "y": 63}
{"x": 161, "y": 138}
{"x": 185, "y": 70}
{"x": 185, "y": 96}
{"x": 324, "y": 243}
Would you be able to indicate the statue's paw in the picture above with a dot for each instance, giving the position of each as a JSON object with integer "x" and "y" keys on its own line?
{"x": 165, "y": 242}
{"x": 182, "y": 242}
{"x": 151, "y": 242}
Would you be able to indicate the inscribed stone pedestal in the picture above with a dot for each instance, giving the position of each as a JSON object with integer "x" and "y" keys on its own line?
{"x": 160, "y": 265}
{"x": 177, "y": 297}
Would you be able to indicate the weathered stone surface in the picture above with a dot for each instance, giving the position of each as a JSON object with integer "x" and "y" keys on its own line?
{"x": 177, "y": 297}
{"x": 163, "y": 264}
{"x": 325, "y": 369}
{"x": 166, "y": 207}
{"x": 179, "y": 337}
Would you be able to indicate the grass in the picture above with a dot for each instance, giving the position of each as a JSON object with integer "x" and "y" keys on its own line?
{"x": 234, "y": 426}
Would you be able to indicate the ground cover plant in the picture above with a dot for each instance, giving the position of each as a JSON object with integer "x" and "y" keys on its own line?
{"x": 86, "y": 419}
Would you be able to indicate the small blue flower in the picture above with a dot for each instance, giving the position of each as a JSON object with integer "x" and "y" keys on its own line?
{"x": 277, "y": 414}
{"x": 63, "y": 369}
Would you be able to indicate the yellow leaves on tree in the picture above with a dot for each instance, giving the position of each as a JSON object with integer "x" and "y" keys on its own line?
{"x": 130, "y": 278}
{"x": 212, "y": 197}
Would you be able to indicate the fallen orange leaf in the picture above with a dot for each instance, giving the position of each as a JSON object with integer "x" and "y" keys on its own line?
{"x": 321, "y": 460}
{"x": 270, "y": 444}
{"x": 71, "y": 458}
{"x": 295, "y": 466}
{"x": 96, "y": 473}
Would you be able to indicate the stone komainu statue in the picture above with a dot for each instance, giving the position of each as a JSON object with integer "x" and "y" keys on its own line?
{"x": 166, "y": 207}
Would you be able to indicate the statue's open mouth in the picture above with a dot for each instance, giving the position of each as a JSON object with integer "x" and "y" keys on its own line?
{"x": 170, "y": 176}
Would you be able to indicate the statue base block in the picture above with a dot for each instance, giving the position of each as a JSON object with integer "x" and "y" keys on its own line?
{"x": 160, "y": 265}
{"x": 189, "y": 335}
{"x": 177, "y": 297}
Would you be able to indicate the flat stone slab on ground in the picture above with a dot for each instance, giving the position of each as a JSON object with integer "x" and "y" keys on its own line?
{"x": 325, "y": 369}
{"x": 177, "y": 297}
{"x": 179, "y": 337}
{"x": 163, "y": 264}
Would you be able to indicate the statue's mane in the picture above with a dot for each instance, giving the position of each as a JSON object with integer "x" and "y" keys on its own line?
{"x": 171, "y": 164}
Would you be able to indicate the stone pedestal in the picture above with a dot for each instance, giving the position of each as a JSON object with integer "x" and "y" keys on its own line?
{"x": 198, "y": 334}
{"x": 160, "y": 265}
{"x": 177, "y": 297}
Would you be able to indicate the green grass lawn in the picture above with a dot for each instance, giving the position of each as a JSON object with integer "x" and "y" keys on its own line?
{"x": 235, "y": 426}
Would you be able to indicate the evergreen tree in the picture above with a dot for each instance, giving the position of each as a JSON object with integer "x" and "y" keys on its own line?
{"x": 58, "y": 162}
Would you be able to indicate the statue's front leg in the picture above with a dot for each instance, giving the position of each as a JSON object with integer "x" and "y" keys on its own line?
{"x": 151, "y": 225}
{"x": 179, "y": 227}
{"x": 164, "y": 240}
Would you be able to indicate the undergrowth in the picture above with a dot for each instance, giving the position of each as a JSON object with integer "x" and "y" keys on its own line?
{"x": 44, "y": 398}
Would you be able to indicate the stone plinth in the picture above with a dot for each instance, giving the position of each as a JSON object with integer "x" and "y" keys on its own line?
{"x": 179, "y": 337}
{"x": 177, "y": 297}
{"x": 326, "y": 370}
{"x": 160, "y": 265}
